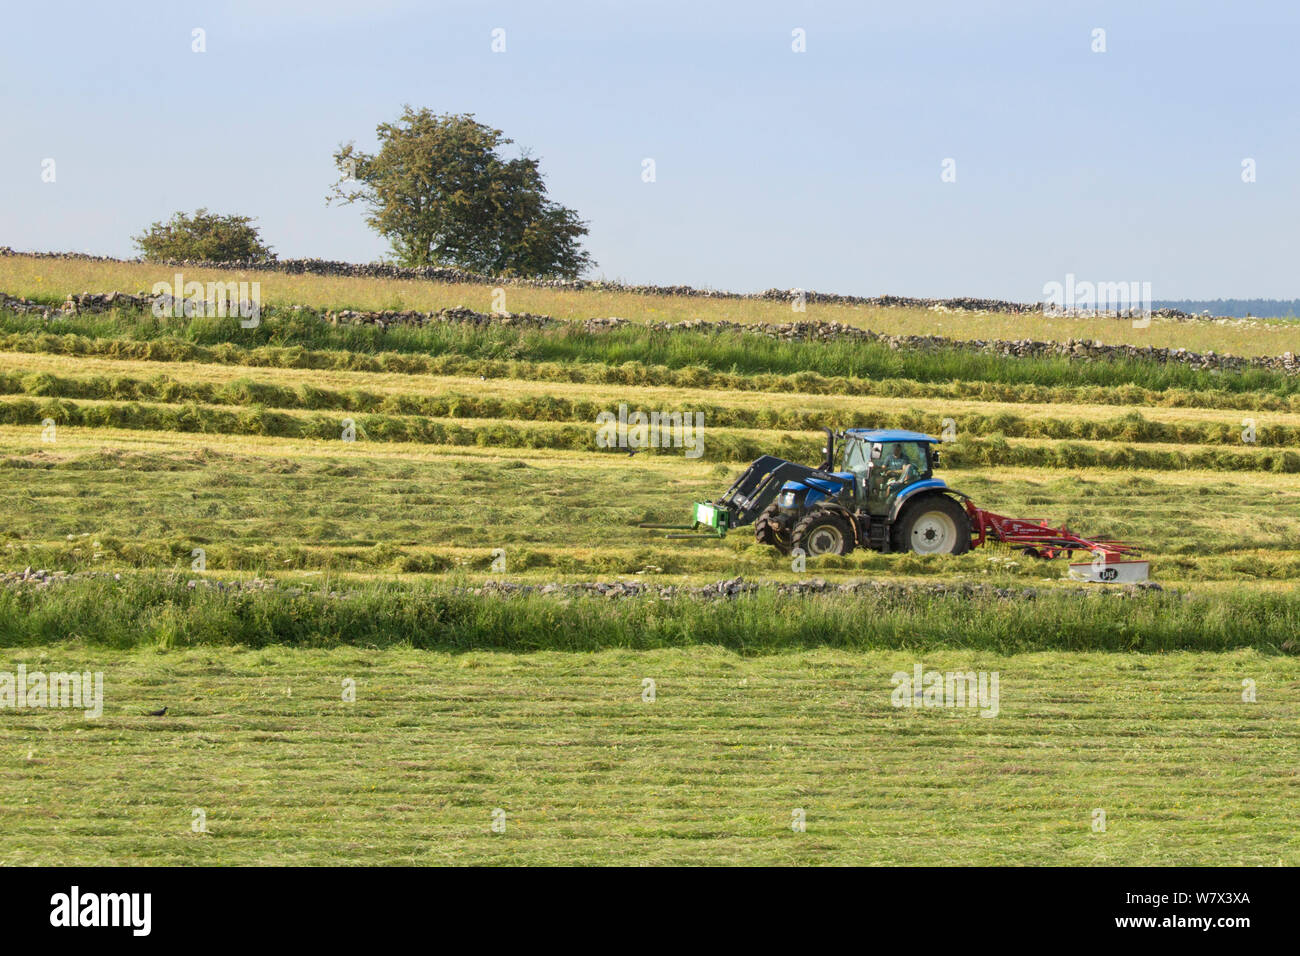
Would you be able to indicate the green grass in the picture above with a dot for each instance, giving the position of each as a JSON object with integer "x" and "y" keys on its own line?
{"x": 710, "y": 772}
{"x": 275, "y": 371}
{"x": 98, "y": 500}
{"x": 1226, "y": 390}
{"x": 167, "y": 612}
{"x": 718, "y": 444}
{"x": 139, "y": 335}
{"x": 244, "y": 392}
{"x": 51, "y": 280}
{"x": 1124, "y": 701}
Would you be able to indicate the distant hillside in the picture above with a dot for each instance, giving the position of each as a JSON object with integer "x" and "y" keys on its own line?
{"x": 1237, "y": 308}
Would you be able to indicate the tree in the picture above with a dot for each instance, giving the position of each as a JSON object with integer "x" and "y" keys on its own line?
{"x": 205, "y": 236}
{"x": 441, "y": 194}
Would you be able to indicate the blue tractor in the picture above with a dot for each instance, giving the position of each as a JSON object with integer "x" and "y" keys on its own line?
{"x": 874, "y": 489}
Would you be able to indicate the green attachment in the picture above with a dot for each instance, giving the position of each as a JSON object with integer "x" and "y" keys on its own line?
{"x": 711, "y": 523}
{"x": 710, "y": 516}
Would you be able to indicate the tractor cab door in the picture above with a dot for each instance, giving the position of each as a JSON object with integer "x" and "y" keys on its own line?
{"x": 893, "y": 466}
{"x": 855, "y": 460}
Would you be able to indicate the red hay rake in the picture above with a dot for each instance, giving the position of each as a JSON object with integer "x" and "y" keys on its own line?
{"x": 1039, "y": 539}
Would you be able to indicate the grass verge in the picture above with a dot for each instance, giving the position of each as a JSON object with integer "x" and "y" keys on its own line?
{"x": 160, "y": 611}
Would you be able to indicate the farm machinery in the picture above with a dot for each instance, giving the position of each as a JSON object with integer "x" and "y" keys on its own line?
{"x": 876, "y": 489}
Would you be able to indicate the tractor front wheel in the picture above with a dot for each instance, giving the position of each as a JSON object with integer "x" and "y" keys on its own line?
{"x": 773, "y": 527}
{"x": 934, "y": 525}
{"x": 822, "y": 532}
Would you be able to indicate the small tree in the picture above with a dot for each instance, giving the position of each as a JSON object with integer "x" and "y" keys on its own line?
{"x": 205, "y": 236}
{"x": 441, "y": 194}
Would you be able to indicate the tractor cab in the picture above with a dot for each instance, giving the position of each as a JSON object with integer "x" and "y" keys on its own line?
{"x": 886, "y": 463}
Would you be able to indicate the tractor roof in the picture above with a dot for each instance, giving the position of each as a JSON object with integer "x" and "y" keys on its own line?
{"x": 888, "y": 434}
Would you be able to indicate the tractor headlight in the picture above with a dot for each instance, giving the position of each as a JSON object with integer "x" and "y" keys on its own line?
{"x": 787, "y": 499}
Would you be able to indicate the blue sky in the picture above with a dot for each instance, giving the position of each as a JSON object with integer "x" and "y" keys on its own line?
{"x": 818, "y": 170}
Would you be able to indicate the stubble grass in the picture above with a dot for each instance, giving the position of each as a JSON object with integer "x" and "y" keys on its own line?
{"x": 710, "y": 772}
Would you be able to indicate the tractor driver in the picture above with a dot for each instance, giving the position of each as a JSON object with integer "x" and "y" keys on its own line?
{"x": 898, "y": 470}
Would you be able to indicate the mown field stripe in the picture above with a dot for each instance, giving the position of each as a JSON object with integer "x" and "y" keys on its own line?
{"x": 725, "y": 352}
{"x": 106, "y": 498}
{"x": 637, "y": 373}
{"x": 1169, "y": 406}
{"x": 719, "y": 444}
{"x": 583, "y": 404}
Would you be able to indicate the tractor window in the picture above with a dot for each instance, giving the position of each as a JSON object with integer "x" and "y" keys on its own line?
{"x": 895, "y": 465}
{"x": 913, "y": 453}
{"x": 855, "y": 457}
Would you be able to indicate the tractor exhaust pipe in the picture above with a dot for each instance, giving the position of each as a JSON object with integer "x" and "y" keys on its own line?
{"x": 829, "y": 451}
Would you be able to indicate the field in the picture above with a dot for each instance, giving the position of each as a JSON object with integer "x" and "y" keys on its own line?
{"x": 710, "y": 772}
{"x": 53, "y": 280}
{"x": 234, "y": 555}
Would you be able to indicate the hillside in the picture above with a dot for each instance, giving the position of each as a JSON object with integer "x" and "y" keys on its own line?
{"x": 394, "y": 484}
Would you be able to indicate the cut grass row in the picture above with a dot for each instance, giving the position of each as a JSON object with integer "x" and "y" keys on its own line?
{"x": 717, "y": 444}
{"x": 248, "y": 392}
{"x": 723, "y": 351}
{"x": 709, "y": 773}
{"x": 1225, "y": 390}
{"x": 113, "y": 378}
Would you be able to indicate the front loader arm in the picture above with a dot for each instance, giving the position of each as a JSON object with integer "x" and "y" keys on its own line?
{"x": 744, "y": 501}
{"x": 762, "y": 482}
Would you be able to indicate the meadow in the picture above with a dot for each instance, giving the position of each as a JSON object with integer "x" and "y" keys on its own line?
{"x": 713, "y": 770}
{"x": 249, "y": 516}
{"x": 52, "y": 280}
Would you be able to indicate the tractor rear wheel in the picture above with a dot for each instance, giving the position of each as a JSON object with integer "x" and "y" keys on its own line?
{"x": 934, "y": 525}
{"x": 773, "y": 527}
{"x": 821, "y": 533}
